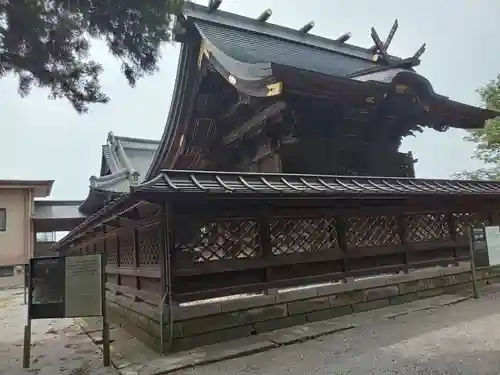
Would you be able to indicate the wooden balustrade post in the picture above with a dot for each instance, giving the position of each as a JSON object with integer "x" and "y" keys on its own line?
{"x": 167, "y": 248}
{"x": 105, "y": 253}
{"x": 118, "y": 276}
{"x": 265, "y": 243}
{"x": 402, "y": 232}
{"x": 135, "y": 241}
{"x": 341, "y": 227}
{"x": 450, "y": 218}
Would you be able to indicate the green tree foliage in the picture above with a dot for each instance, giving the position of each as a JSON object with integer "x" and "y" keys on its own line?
{"x": 46, "y": 43}
{"x": 487, "y": 140}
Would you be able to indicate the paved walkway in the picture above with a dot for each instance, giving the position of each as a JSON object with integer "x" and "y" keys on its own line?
{"x": 441, "y": 335}
{"x": 462, "y": 338}
{"x": 58, "y": 345}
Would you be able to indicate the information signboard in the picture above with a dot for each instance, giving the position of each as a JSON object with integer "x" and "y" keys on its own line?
{"x": 66, "y": 287}
{"x": 83, "y": 286}
{"x": 480, "y": 246}
{"x": 493, "y": 244}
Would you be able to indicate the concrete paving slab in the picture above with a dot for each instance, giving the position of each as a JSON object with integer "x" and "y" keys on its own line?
{"x": 207, "y": 354}
{"x": 306, "y": 332}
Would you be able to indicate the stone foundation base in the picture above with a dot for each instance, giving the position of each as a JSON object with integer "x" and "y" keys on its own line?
{"x": 209, "y": 323}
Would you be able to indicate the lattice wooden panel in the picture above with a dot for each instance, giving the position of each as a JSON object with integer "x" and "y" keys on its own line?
{"x": 211, "y": 241}
{"x": 127, "y": 248}
{"x": 463, "y": 220}
{"x": 427, "y": 227}
{"x": 363, "y": 231}
{"x": 111, "y": 250}
{"x": 303, "y": 235}
{"x": 149, "y": 245}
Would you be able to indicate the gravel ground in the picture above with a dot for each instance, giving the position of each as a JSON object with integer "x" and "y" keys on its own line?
{"x": 58, "y": 345}
{"x": 457, "y": 339}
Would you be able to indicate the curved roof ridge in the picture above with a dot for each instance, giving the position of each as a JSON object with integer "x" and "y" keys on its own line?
{"x": 176, "y": 109}
{"x": 233, "y": 20}
{"x": 111, "y": 182}
{"x": 138, "y": 140}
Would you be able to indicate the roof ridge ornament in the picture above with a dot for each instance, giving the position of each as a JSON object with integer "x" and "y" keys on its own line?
{"x": 344, "y": 37}
{"x": 111, "y": 138}
{"x": 265, "y": 15}
{"x": 389, "y": 39}
{"x": 134, "y": 177}
{"x": 214, "y": 5}
{"x": 380, "y": 49}
{"x": 307, "y": 27}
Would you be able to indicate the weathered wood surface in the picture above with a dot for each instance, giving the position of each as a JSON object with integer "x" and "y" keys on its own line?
{"x": 216, "y": 252}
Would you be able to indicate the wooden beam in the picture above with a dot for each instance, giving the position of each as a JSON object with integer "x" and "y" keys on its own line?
{"x": 258, "y": 120}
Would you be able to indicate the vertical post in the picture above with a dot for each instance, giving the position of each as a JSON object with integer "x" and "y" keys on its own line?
{"x": 475, "y": 292}
{"x": 402, "y": 236}
{"x": 265, "y": 243}
{"x": 118, "y": 261}
{"x": 167, "y": 257}
{"x": 105, "y": 325}
{"x": 340, "y": 227}
{"x": 26, "y": 281}
{"x": 27, "y": 327}
{"x": 135, "y": 239}
{"x": 453, "y": 233}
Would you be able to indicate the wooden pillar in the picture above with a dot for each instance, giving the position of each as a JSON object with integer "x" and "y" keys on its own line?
{"x": 105, "y": 253}
{"x": 167, "y": 249}
{"x": 135, "y": 241}
{"x": 118, "y": 276}
{"x": 265, "y": 243}
{"x": 402, "y": 232}
{"x": 340, "y": 227}
{"x": 450, "y": 219}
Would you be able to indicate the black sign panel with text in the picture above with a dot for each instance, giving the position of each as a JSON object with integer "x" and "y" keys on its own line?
{"x": 61, "y": 287}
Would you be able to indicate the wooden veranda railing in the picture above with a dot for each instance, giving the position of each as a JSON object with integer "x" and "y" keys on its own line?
{"x": 221, "y": 233}
{"x": 215, "y": 256}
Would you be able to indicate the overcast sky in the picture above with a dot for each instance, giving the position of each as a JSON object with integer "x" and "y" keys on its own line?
{"x": 44, "y": 139}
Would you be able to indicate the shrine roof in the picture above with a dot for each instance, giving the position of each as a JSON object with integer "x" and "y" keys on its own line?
{"x": 207, "y": 184}
{"x": 125, "y": 153}
{"x": 248, "y": 40}
{"x": 124, "y": 160}
{"x": 269, "y": 184}
{"x": 261, "y": 59}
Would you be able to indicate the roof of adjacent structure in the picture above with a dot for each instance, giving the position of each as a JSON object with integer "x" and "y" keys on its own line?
{"x": 233, "y": 183}
{"x": 207, "y": 184}
{"x": 54, "y": 216}
{"x": 122, "y": 156}
{"x": 57, "y": 209}
{"x": 125, "y": 160}
{"x": 41, "y": 188}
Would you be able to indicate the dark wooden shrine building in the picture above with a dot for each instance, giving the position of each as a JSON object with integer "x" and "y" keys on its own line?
{"x": 243, "y": 192}
{"x": 253, "y": 96}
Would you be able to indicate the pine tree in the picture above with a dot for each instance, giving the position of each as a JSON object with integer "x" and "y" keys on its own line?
{"x": 46, "y": 43}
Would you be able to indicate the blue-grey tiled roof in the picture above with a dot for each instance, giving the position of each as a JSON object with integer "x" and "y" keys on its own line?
{"x": 252, "y": 48}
